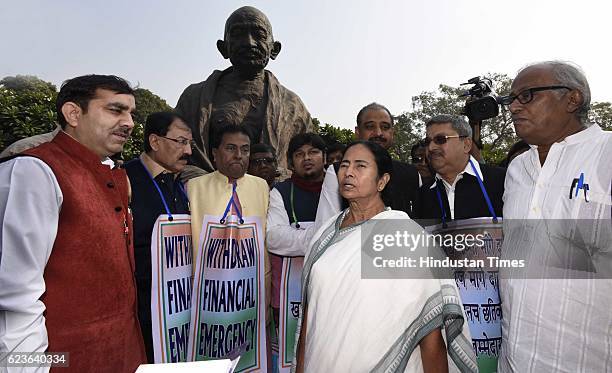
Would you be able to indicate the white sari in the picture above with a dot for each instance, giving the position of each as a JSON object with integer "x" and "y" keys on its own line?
{"x": 357, "y": 325}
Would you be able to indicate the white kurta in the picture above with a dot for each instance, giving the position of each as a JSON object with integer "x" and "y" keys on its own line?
{"x": 559, "y": 325}
{"x": 330, "y": 201}
{"x": 282, "y": 238}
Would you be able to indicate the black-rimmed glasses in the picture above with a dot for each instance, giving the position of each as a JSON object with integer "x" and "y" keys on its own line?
{"x": 525, "y": 96}
{"x": 440, "y": 139}
{"x": 181, "y": 140}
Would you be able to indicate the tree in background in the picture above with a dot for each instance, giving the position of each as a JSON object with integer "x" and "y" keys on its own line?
{"x": 601, "y": 113}
{"x": 27, "y": 108}
{"x": 26, "y": 82}
{"x": 497, "y": 134}
{"x": 332, "y": 134}
{"x": 146, "y": 103}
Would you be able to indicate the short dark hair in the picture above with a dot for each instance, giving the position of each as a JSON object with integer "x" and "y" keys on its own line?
{"x": 335, "y": 147}
{"x": 301, "y": 139}
{"x": 158, "y": 124}
{"x": 372, "y": 106}
{"x": 516, "y": 148}
{"x": 262, "y": 148}
{"x": 384, "y": 164}
{"x": 82, "y": 89}
{"x": 228, "y": 128}
{"x": 416, "y": 147}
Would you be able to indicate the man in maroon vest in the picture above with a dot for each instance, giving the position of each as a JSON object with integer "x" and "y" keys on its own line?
{"x": 66, "y": 256}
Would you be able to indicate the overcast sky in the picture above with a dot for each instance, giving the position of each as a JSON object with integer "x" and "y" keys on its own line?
{"x": 336, "y": 55}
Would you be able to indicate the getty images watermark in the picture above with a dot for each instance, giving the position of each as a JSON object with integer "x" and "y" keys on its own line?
{"x": 552, "y": 249}
{"x": 461, "y": 243}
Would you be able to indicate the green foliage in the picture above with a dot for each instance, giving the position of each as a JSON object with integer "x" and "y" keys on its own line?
{"x": 27, "y": 83}
{"x": 146, "y": 103}
{"x": 497, "y": 134}
{"x": 27, "y": 108}
{"x": 26, "y": 112}
{"x": 601, "y": 113}
{"x": 332, "y": 134}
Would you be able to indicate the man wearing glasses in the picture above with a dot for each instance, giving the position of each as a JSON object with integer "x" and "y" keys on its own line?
{"x": 263, "y": 163}
{"x": 455, "y": 192}
{"x": 418, "y": 159}
{"x": 557, "y": 217}
{"x": 156, "y": 190}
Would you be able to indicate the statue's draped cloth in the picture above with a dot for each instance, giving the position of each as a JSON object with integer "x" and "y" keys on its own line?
{"x": 285, "y": 117}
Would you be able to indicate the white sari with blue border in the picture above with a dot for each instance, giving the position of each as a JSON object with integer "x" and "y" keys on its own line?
{"x": 366, "y": 325}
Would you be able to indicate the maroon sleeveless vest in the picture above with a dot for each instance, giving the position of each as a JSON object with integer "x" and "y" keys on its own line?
{"x": 90, "y": 295}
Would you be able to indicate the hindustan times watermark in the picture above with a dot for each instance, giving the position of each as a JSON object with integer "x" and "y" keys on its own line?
{"x": 430, "y": 262}
{"x": 531, "y": 248}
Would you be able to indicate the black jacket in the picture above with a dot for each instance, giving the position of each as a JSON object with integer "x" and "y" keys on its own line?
{"x": 469, "y": 200}
{"x": 146, "y": 207}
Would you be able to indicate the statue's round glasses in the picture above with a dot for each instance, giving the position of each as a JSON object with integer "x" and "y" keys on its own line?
{"x": 526, "y": 96}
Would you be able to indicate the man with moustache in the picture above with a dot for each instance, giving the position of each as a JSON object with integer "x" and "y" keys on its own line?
{"x": 156, "y": 190}
{"x": 67, "y": 265}
{"x": 207, "y": 193}
{"x": 263, "y": 163}
{"x": 557, "y": 212}
{"x": 374, "y": 123}
{"x": 245, "y": 94}
{"x": 419, "y": 160}
{"x": 226, "y": 197}
{"x": 462, "y": 189}
{"x": 455, "y": 192}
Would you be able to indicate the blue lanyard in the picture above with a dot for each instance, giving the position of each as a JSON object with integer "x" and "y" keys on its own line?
{"x": 161, "y": 195}
{"x": 229, "y": 205}
{"x": 484, "y": 193}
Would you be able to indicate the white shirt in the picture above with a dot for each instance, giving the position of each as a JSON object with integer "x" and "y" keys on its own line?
{"x": 450, "y": 188}
{"x": 559, "y": 325}
{"x": 282, "y": 237}
{"x": 330, "y": 201}
{"x": 30, "y": 204}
